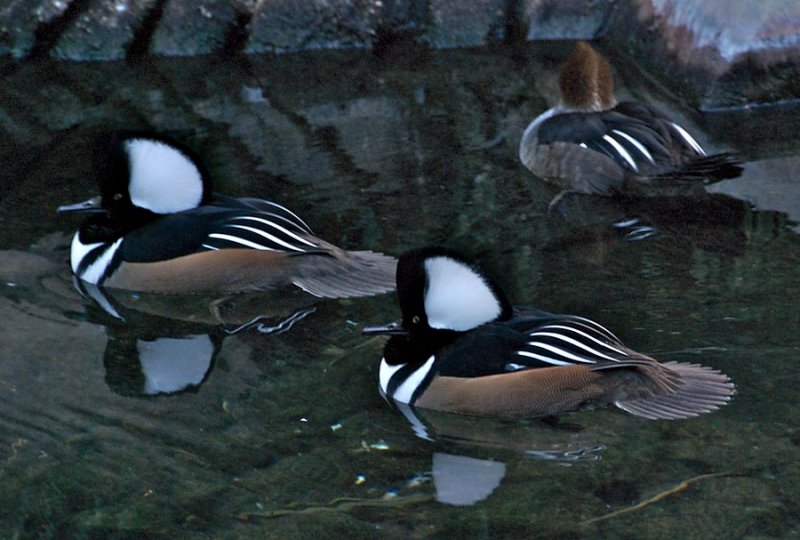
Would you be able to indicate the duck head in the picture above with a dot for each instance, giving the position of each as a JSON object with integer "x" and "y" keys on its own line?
{"x": 586, "y": 82}
{"x": 441, "y": 295}
{"x": 141, "y": 174}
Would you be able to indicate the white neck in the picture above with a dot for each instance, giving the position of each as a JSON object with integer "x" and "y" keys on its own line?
{"x": 405, "y": 391}
{"x": 95, "y": 271}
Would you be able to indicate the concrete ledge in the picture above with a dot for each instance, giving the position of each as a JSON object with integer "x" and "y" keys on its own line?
{"x": 713, "y": 54}
{"x": 716, "y": 55}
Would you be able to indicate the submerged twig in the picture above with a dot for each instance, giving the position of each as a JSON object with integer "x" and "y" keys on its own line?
{"x": 374, "y": 340}
{"x": 663, "y": 495}
{"x": 497, "y": 140}
{"x": 342, "y": 504}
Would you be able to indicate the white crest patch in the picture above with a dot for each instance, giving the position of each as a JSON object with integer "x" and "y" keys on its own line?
{"x": 457, "y": 297}
{"x": 162, "y": 178}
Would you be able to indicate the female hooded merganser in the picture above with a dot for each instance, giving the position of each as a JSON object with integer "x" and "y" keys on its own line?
{"x": 157, "y": 227}
{"x": 589, "y": 143}
{"x": 461, "y": 347}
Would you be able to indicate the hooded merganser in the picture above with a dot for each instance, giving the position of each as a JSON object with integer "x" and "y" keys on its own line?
{"x": 589, "y": 143}
{"x": 461, "y": 347}
{"x": 157, "y": 227}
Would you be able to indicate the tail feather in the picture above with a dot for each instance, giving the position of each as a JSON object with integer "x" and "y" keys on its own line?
{"x": 699, "y": 390}
{"x": 686, "y": 180}
{"x": 347, "y": 274}
{"x": 714, "y": 167}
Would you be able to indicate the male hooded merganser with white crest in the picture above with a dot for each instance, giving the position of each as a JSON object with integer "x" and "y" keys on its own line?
{"x": 158, "y": 227}
{"x": 461, "y": 347}
{"x": 590, "y": 143}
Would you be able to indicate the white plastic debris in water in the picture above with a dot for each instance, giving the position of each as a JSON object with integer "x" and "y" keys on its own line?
{"x": 253, "y": 94}
{"x": 418, "y": 480}
{"x": 380, "y": 445}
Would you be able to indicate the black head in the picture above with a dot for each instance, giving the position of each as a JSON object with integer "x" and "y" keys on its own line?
{"x": 441, "y": 295}
{"x": 141, "y": 172}
{"x": 439, "y": 289}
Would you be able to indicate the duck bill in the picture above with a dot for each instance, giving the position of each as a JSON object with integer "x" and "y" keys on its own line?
{"x": 393, "y": 329}
{"x": 92, "y": 205}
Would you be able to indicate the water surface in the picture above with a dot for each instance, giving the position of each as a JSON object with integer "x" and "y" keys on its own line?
{"x": 277, "y": 429}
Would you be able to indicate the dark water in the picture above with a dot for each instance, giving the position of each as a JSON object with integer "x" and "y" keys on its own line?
{"x": 283, "y": 434}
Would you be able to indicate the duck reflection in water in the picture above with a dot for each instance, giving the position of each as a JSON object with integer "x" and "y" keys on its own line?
{"x": 167, "y": 344}
{"x": 469, "y": 460}
{"x": 583, "y": 226}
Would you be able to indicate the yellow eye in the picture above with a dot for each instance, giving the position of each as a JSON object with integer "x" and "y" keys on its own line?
{"x": 117, "y": 196}
{"x": 415, "y": 319}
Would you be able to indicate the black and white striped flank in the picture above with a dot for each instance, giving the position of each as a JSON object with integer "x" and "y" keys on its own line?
{"x": 572, "y": 340}
{"x": 262, "y": 231}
